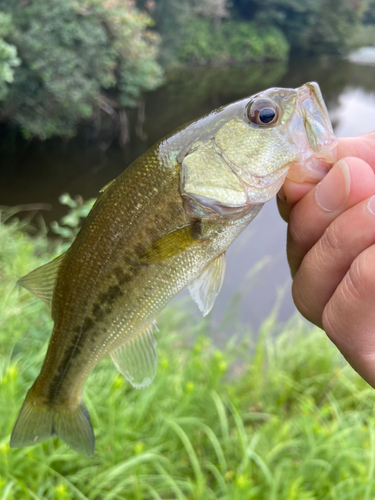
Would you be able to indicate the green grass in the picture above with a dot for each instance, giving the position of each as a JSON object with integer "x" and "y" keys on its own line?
{"x": 289, "y": 421}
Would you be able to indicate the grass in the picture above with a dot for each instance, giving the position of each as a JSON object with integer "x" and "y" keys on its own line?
{"x": 285, "y": 418}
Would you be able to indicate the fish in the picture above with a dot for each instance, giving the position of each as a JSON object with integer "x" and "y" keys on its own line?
{"x": 164, "y": 224}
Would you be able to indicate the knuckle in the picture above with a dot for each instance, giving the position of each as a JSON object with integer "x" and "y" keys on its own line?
{"x": 360, "y": 279}
{"x": 299, "y": 299}
{"x": 331, "y": 241}
{"x": 328, "y": 321}
{"x": 296, "y": 234}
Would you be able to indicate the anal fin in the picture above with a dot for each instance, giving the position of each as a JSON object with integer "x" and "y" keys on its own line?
{"x": 206, "y": 286}
{"x": 137, "y": 360}
{"x": 41, "y": 281}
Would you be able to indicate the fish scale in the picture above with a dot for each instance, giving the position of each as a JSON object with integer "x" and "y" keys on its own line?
{"x": 163, "y": 224}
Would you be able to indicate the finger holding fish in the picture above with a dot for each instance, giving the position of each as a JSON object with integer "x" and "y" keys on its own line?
{"x": 362, "y": 147}
{"x": 329, "y": 260}
{"x": 348, "y": 183}
{"x": 331, "y": 248}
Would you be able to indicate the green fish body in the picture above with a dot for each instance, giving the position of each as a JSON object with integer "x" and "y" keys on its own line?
{"x": 163, "y": 224}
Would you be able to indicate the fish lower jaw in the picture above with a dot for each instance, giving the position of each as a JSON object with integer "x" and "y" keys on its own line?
{"x": 263, "y": 189}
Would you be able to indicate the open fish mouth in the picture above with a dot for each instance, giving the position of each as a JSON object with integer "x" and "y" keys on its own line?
{"x": 312, "y": 132}
{"x": 317, "y": 123}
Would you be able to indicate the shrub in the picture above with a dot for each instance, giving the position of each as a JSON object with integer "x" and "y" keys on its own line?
{"x": 231, "y": 42}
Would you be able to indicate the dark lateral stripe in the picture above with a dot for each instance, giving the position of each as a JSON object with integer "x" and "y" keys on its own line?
{"x": 83, "y": 332}
{"x": 71, "y": 352}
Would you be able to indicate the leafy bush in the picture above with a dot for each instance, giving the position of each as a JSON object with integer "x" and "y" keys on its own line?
{"x": 313, "y": 26}
{"x": 8, "y": 55}
{"x": 288, "y": 419}
{"x": 68, "y": 227}
{"x": 364, "y": 36}
{"x": 231, "y": 42}
{"x": 76, "y": 58}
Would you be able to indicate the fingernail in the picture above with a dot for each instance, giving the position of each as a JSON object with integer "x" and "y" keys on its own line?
{"x": 371, "y": 205}
{"x": 281, "y": 195}
{"x": 333, "y": 191}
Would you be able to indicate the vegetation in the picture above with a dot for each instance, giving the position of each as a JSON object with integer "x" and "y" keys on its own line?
{"x": 313, "y": 26}
{"x": 197, "y": 30}
{"x": 284, "y": 418}
{"x": 211, "y": 32}
{"x": 74, "y": 58}
{"x": 64, "y": 62}
{"x": 365, "y": 34}
{"x": 8, "y": 56}
{"x": 231, "y": 42}
{"x": 363, "y": 37}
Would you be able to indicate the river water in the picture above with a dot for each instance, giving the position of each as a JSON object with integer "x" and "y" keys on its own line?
{"x": 257, "y": 273}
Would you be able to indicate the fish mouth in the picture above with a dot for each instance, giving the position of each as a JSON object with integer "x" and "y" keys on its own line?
{"x": 314, "y": 137}
{"x": 316, "y": 121}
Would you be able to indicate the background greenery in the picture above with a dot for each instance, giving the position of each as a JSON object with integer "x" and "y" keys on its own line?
{"x": 280, "y": 418}
{"x": 75, "y": 57}
{"x": 62, "y": 62}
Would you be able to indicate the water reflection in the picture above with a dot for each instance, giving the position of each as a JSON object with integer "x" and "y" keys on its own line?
{"x": 39, "y": 173}
{"x": 355, "y": 112}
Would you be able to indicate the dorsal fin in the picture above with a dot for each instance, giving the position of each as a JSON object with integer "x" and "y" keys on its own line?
{"x": 206, "y": 286}
{"x": 137, "y": 360}
{"x": 41, "y": 281}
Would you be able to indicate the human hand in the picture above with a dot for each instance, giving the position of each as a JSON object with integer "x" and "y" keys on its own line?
{"x": 331, "y": 251}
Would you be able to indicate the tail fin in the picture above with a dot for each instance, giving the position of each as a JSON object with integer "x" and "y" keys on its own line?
{"x": 38, "y": 422}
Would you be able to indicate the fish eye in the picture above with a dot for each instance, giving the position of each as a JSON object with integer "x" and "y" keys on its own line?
{"x": 263, "y": 112}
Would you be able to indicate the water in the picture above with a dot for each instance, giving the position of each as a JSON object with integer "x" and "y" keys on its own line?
{"x": 257, "y": 272}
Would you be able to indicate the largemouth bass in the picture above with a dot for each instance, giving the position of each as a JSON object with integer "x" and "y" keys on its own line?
{"x": 163, "y": 224}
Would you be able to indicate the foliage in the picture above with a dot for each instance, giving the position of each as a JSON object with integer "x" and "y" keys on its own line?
{"x": 363, "y": 37}
{"x": 63, "y": 62}
{"x": 315, "y": 26}
{"x": 68, "y": 227}
{"x": 231, "y": 42}
{"x": 8, "y": 55}
{"x": 77, "y": 57}
{"x": 171, "y": 17}
{"x": 213, "y": 9}
{"x": 290, "y": 421}
{"x": 369, "y": 13}
{"x": 188, "y": 27}
{"x": 197, "y": 31}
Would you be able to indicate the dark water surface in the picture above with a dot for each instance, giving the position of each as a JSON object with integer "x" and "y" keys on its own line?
{"x": 256, "y": 264}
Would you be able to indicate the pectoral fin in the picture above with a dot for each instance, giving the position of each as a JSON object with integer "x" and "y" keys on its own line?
{"x": 41, "y": 281}
{"x": 137, "y": 360}
{"x": 172, "y": 244}
{"x": 206, "y": 286}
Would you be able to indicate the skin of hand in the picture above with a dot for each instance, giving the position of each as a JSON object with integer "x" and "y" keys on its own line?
{"x": 331, "y": 251}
